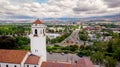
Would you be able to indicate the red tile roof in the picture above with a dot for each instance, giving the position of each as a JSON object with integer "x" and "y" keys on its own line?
{"x": 12, "y": 56}
{"x": 37, "y": 22}
{"x": 55, "y": 64}
{"x": 84, "y": 62}
{"x": 32, "y": 59}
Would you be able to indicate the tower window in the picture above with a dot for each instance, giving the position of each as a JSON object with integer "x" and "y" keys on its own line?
{"x": 15, "y": 66}
{"x": 35, "y": 31}
{"x": 36, "y": 50}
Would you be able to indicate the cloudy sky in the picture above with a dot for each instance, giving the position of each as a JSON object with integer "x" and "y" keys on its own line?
{"x": 27, "y": 9}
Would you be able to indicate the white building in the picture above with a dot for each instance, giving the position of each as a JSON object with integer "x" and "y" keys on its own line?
{"x": 52, "y": 35}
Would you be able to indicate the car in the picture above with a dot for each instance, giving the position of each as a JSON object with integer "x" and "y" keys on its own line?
{"x": 62, "y": 53}
{"x": 50, "y": 52}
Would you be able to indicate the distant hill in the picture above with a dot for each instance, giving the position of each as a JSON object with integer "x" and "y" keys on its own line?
{"x": 112, "y": 18}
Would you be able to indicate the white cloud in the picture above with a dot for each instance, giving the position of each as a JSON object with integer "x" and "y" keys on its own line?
{"x": 58, "y": 8}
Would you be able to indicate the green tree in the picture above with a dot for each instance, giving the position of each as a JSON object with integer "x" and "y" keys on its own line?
{"x": 83, "y": 35}
{"x": 7, "y": 42}
{"x": 97, "y": 58}
{"x": 110, "y": 48}
{"x": 22, "y": 41}
{"x": 116, "y": 53}
{"x": 110, "y": 62}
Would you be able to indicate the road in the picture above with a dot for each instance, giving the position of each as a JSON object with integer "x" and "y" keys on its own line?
{"x": 72, "y": 39}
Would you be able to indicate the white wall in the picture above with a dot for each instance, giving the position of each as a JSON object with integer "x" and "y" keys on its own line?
{"x": 9, "y": 65}
{"x": 30, "y": 65}
{"x": 39, "y": 44}
{"x": 25, "y": 58}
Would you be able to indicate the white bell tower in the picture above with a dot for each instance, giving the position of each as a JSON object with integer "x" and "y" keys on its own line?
{"x": 38, "y": 39}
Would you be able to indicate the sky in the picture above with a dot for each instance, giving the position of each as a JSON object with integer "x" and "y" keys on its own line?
{"x": 28, "y": 9}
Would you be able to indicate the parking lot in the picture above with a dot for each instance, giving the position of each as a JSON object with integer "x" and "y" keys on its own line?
{"x": 61, "y": 57}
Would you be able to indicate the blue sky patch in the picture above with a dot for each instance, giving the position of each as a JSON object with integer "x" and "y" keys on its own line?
{"x": 41, "y": 1}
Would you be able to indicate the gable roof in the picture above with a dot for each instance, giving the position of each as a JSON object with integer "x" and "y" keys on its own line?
{"x": 32, "y": 59}
{"x": 37, "y": 22}
{"x": 12, "y": 56}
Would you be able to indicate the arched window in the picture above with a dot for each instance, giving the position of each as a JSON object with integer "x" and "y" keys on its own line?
{"x": 34, "y": 66}
{"x": 35, "y": 31}
{"x": 15, "y": 66}
{"x": 6, "y": 65}
{"x": 36, "y": 50}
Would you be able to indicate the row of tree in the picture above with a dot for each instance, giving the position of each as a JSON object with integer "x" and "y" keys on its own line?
{"x": 19, "y": 42}
{"x": 14, "y": 29}
{"x": 63, "y": 49}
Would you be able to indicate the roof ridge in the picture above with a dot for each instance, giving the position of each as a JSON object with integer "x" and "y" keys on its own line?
{"x": 37, "y": 21}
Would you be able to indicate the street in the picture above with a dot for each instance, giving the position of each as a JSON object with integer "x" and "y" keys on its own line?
{"x": 72, "y": 39}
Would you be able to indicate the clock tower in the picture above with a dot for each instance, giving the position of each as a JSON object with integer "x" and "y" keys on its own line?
{"x": 38, "y": 39}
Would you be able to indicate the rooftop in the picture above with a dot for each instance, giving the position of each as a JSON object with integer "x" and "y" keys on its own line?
{"x": 55, "y": 64}
{"x": 37, "y": 22}
{"x": 32, "y": 59}
{"x": 83, "y": 62}
{"x": 12, "y": 56}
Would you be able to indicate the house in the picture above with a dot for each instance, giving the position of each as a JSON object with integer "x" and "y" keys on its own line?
{"x": 52, "y": 35}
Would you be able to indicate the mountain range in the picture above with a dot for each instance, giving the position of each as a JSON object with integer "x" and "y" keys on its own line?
{"x": 109, "y": 18}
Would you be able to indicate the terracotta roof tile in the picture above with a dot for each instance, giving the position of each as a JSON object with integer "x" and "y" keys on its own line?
{"x": 32, "y": 59}
{"x": 37, "y": 22}
{"x": 84, "y": 62}
{"x": 55, "y": 64}
{"x": 12, "y": 56}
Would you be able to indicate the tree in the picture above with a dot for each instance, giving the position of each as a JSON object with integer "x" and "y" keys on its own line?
{"x": 110, "y": 62}
{"x": 109, "y": 48}
{"x": 100, "y": 46}
{"x": 7, "y": 42}
{"x": 83, "y": 35}
{"x": 97, "y": 57}
{"x": 116, "y": 54}
{"x": 21, "y": 41}
{"x": 73, "y": 48}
